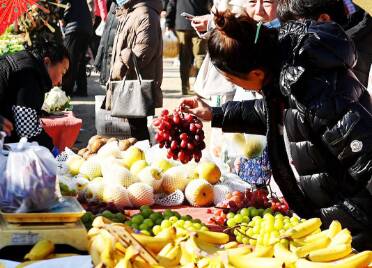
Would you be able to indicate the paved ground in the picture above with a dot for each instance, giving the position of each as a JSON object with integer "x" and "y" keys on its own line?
{"x": 84, "y": 108}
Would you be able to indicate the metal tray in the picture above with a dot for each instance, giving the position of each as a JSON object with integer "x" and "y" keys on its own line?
{"x": 69, "y": 210}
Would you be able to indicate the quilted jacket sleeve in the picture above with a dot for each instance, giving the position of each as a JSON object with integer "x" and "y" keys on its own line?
{"x": 350, "y": 140}
{"x": 147, "y": 38}
{"x": 246, "y": 116}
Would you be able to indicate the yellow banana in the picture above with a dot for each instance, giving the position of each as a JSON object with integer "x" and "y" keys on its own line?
{"x": 360, "y": 260}
{"x": 170, "y": 255}
{"x": 156, "y": 243}
{"x": 303, "y": 229}
{"x": 311, "y": 238}
{"x": 232, "y": 244}
{"x": 107, "y": 256}
{"x": 61, "y": 255}
{"x": 40, "y": 250}
{"x": 331, "y": 253}
{"x": 138, "y": 262}
{"x": 343, "y": 237}
{"x": 207, "y": 247}
{"x": 256, "y": 262}
{"x": 281, "y": 252}
{"x": 262, "y": 251}
{"x": 130, "y": 253}
{"x": 213, "y": 237}
{"x": 190, "y": 252}
{"x": 235, "y": 252}
{"x": 318, "y": 244}
{"x": 334, "y": 228}
{"x": 203, "y": 263}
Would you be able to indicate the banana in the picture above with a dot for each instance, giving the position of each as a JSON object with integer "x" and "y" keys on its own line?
{"x": 131, "y": 252}
{"x": 170, "y": 255}
{"x": 235, "y": 252}
{"x": 343, "y": 237}
{"x": 213, "y": 237}
{"x": 360, "y": 260}
{"x": 281, "y": 252}
{"x": 156, "y": 243}
{"x": 138, "y": 262}
{"x": 232, "y": 244}
{"x": 311, "y": 238}
{"x": 203, "y": 263}
{"x": 331, "y": 253}
{"x": 190, "y": 252}
{"x": 334, "y": 228}
{"x": 40, "y": 250}
{"x": 318, "y": 244}
{"x": 256, "y": 262}
{"x": 303, "y": 229}
{"x": 107, "y": 256}
{"x": 204, "y": 246}
{"x": 61, "y": 255}
{"x": 100, "y": 222}
{"x": 262, "y": 251}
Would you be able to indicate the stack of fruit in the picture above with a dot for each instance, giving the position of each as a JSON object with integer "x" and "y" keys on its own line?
{"x": 152, "y": 223}
{"x": 173, "y": 247}
{"x": 121, "y": 176}
{"x": 182, "y": 134}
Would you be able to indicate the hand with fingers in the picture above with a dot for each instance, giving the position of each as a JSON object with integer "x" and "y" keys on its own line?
{"x": 197, "y": 107}
{"x": 200, "y": 23}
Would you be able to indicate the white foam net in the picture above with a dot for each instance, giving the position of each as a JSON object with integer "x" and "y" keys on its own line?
{"x": 174, "y": 199}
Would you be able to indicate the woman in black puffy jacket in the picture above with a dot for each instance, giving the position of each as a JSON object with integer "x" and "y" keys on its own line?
{"x": 316, "y": 115}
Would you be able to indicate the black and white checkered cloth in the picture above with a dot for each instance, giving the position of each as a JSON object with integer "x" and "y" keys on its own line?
{"x": 27, "y": 122}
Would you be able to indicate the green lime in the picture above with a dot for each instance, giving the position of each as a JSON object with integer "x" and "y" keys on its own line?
{"x": 196, "y": 221}
{"x": 107, "y": 214}
{"x": 155, "y": 215}
{"x": 261, "y": 212}
{"x": 135, "y": 226}
{"x": 244, "y": 212}
{"x": 158, "y": 221}
{"x": 267, "y": 211}
{"x": 138, "y": 219}
{"x": 167, "y": 213}
{"x": 146, "y": 213}
{"x": 119, "y": 217}
{"x": 254, "y": 212}
{"x": 143, "y": 227}
{"x": 145, "y": 207}
{"x": 186, "y": 218}
{"x": 148, "y": 222}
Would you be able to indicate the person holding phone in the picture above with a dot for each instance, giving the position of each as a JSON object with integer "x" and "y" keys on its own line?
{"x": 192, "y": 47}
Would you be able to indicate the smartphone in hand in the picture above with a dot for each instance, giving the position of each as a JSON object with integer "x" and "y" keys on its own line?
{"x": 187, "y": 16}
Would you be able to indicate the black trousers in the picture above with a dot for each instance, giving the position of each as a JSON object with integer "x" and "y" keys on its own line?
{"x": 77, "y": 45}
{"x": 138, "y": 128}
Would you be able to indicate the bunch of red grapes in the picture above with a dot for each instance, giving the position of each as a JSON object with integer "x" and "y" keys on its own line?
{"x": 182, "y": 134}
{"x": 259, "y": 198}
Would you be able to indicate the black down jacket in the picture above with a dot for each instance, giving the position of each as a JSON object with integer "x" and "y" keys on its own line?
{"x": 104, "y": 53}
{"x": 318, "y": 127}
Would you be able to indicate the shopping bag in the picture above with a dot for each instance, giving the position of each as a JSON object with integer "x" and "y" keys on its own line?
{"x": 132, "y": 98}
{"x": 29, "y": 183}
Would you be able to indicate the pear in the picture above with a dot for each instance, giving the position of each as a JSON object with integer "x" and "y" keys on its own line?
{"x": 151, "y": 176}
{"x": 132, "y": 155}
{"x": 138, "y": 166}
{"x": 74, "y": 163}
{"x": 209, "y": 171}
{"x": 163, "y": 164}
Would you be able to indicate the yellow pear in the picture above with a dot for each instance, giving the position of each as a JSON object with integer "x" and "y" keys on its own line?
{"x": 163, "y": 164}
{"x": 209, "y": 171}
{"x": 132, "y": 155}
{"x": 74, "y": 163}
{"x": 137, "y": 167}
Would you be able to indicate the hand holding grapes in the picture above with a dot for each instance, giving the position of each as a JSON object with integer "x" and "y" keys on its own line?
{"x": 197, "y": 107}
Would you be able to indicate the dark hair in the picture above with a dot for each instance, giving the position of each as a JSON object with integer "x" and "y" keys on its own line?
{"x": 56, "y": 52}
{"x": 233, "y": 49}
{"x": 311, "y": 9}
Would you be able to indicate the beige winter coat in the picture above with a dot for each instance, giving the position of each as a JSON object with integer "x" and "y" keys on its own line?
{"x": 139, "y": 34}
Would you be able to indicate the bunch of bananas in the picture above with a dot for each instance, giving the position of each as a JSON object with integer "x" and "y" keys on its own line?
{"x": 303, "y": 246}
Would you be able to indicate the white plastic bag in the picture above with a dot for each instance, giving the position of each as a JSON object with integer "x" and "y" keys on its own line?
{"x": 170, "y": 45}
{"x": 29, "y": 182}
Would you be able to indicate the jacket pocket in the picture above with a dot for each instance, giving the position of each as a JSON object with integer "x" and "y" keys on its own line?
{"x": 351, "y": 137}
